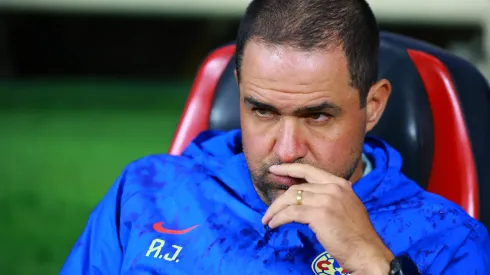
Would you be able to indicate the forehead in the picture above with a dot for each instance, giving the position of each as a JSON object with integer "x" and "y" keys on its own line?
{"x": 286, "y": 69}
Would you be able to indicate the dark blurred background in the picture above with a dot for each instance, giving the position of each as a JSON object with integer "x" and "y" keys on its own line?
{"x": 86, "y": 89}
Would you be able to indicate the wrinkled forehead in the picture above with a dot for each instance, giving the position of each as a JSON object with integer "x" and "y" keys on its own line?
{"x": 286, "y": 74}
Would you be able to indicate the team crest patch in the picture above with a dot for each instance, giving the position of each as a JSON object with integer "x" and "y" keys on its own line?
{"x": 325, "y": 264}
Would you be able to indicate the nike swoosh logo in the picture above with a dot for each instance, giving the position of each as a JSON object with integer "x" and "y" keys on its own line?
{"x": 159, "y": 228}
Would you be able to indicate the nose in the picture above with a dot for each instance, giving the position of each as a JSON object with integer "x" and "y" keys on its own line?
{"x": 290, "y": 144}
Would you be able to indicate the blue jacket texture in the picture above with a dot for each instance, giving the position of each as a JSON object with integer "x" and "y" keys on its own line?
{"x": 199, "y": 213}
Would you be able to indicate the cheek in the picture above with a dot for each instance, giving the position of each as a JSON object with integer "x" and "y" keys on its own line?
{"x": 335, "y": 156}
{"x": 337, "y": 147}
{"x": 256, "y": 143}
{"x": 327, "y": 152}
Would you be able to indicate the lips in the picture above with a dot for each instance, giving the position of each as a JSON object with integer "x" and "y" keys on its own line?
{"x": 284, "y": 180}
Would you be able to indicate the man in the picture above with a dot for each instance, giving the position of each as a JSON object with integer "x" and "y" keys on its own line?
{"x": 332, "y": 201}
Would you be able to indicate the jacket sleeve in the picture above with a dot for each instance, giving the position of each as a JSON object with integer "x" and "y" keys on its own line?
{"x": 98, "y": 249}
{"x": 473, "y": 257}
{"x": 463, "y": 249}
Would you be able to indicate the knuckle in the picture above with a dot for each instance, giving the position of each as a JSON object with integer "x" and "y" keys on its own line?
{"x": 294, "y": 188}
{"x": 335, "y": 188}
{"x": 346, "y": 184}
{"x": 329, "y": 201}
{"x": 291, "y": 213}
{"x": 322, "y": 199}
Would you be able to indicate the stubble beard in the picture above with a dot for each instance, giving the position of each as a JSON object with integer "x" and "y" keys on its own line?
{"x": 268, "y": 190}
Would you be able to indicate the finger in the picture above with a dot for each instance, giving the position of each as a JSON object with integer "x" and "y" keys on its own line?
{"x": 319, "y": 188}
{"x": 294, "y": 213}
{"x": 290, "y": 197}
{"x": 282, "y": 202}
{"x": 305, "y": 171}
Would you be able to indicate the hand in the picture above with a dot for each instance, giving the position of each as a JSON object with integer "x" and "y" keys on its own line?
{"x": 335, "y": 214}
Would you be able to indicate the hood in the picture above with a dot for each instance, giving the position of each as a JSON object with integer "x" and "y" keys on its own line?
{"x": 214, "y": 144}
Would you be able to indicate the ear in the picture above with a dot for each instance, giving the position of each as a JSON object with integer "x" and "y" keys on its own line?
{"x": 236, "y": 76}
{"x": 376, "y": 102}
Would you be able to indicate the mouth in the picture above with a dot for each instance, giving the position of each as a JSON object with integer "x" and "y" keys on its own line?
{"x": 284, "y": 181}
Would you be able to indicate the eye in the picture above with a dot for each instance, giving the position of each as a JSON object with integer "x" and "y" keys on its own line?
{"x": 263, "y": 113}
{"x": 319, "y": 118}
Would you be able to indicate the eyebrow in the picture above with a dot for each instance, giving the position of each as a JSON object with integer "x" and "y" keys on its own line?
{"x": 260, "y": 105}
{"x": 322, "y": 107}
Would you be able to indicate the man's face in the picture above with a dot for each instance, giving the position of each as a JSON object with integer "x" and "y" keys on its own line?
{"x": 298, "y": 107}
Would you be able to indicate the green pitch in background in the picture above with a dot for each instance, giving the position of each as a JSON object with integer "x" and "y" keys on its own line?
{"x": 62, "y": 146}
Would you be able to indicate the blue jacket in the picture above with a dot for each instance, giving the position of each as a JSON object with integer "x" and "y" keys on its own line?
{"x": 199, "y": 214}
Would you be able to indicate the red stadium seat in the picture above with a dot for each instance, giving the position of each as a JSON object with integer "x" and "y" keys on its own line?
{"x": 427, "y": 118}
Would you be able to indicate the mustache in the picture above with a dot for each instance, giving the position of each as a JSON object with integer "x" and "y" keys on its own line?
{"x": 277, "y": 161}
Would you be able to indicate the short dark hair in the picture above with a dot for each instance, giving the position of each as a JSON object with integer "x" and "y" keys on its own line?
{"x": 317, "y": 24}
